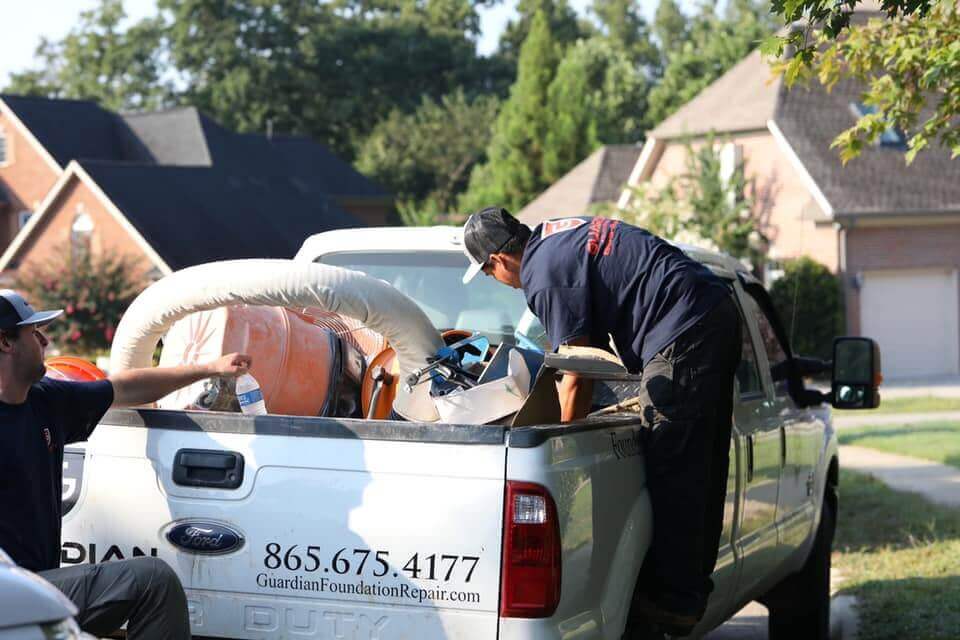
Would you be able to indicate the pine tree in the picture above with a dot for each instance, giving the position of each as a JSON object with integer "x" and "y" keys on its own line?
{"x": 513, "y": 173}
{"x": 669, "y": 27}
{"x": 598, "y": 97}
{"x": 625, "y": 26}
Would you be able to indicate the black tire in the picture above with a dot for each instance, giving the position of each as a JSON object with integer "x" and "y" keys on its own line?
{"x": 800, "y": 605}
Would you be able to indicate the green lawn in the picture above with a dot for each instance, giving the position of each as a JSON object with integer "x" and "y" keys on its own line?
{"x": 900, "y": 556}
{"x": 919, "y": 404}
{"x": 938, "y": 441}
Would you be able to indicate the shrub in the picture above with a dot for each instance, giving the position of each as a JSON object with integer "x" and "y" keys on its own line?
{"x": 94, "y": 292}
{"x": 808, "y": 300}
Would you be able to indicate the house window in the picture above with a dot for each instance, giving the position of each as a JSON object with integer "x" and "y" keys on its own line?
{"x": 892, "y": 137}
{"x": 81, "y": 233}
{"x": 22, "y": 218}
{"x": 4, "y": 148}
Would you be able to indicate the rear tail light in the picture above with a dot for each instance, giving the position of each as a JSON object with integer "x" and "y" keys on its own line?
{"x": 531, "y": 552}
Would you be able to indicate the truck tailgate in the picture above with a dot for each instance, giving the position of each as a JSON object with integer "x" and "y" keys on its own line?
{"x": 347, "y": 529}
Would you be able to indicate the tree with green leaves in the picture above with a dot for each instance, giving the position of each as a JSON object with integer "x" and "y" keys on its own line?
{"x": 808, "y": 300}
{"x": 714, "y": 44}
{"x": 624, "y": 26}
{"x": 669, "y": 28}
{"x": 565, "y": 27}
{"x": 98, "y": 60}
{"x": 906, "y": 57}
{"x": 93, "y": 290}
{"x": 513, "y": 173}
{"x": 425, "y": 158}
{"x": 708, "y": 202}
{"x": 598, "y": 97}
{"x": 328, "y": 70}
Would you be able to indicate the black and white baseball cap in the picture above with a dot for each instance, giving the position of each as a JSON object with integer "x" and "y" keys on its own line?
{"x": 17, "y": 312}
{"x": 487, "y": 232}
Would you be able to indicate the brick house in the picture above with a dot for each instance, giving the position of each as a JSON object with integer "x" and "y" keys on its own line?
{"x": 169, "y": 189}
{"x": 891, "y": 231}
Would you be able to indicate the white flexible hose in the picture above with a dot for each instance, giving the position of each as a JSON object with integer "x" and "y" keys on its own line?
{"x": 284, "y": 283}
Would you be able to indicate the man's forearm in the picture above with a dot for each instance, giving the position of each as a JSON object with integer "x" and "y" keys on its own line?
{"x": 576, "y": 395}
{"x": 143, "y": 386}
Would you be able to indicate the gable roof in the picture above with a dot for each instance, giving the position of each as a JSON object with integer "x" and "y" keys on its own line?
{"x": 805, "y": 120}
{"x": 599, "y": 178}
{"x": 296, "y": 157}
{"x": 878, "y": 181}
{"x": 238, "y": 216}
{"x": 182, "y": 136}
{"x": 69, "y": 129}
{"x": 742, "y": 99}
{"x": 173, "y": 137}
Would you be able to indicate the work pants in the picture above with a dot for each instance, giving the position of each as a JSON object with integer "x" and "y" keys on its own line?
{"x": 688, "y": 415}
{"x": 143, "y": 592}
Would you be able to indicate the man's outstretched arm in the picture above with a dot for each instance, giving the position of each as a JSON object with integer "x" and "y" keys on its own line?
{"x": 143, "y": 386}
{"x": 576, "y": 393}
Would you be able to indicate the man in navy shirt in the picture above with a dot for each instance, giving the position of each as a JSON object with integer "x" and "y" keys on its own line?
{"x": 596, "y": 281}
{"x": 38, "y": 416}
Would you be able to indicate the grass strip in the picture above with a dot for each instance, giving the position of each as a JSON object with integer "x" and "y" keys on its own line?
{"x": 900, "y": 556}
{"x": 937, "y": 441}
{"x": 917, "y": 404}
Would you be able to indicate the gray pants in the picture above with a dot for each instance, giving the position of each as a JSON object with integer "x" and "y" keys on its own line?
{"x": 143, "y": 592}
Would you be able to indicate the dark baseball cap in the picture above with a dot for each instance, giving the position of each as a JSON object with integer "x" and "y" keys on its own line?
{"x": 16, "y": 312}
{"x": 487, "y": 232}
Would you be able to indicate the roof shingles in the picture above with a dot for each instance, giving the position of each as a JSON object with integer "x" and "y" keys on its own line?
{"x": 878, "y": 181}
{"x": 236, "y": 216}
{"x": 599, "y": 178}
{"x": 194, "y": 190}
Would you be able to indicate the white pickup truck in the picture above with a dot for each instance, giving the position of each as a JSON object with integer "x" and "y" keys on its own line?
{"x": 284, "y": 527}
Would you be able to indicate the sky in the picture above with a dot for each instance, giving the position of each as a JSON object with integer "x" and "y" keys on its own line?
{"x": 26, "y": 21}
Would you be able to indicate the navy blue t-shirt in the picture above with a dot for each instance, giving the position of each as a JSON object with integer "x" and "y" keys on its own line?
{"x": 594, "y": 277}
{"x": 32, "y": 436}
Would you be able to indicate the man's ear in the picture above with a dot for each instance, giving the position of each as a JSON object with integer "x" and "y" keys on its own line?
{"x": 6, "y": 341}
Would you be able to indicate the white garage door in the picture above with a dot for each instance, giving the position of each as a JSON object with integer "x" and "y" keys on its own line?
{"x": 913, "y": 315}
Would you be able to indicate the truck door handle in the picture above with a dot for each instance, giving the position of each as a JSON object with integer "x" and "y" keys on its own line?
{"x": 205, "y": 468}
{"x": 749, "y": 459}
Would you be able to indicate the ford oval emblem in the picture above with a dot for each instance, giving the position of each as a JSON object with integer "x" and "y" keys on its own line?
{"x": 196, "y": 536}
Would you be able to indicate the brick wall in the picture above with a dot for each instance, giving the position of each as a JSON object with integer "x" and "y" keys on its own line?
{"x": 52, "y": 238}
{"x": 896, "y": 247}
{"x": 27, "y": 178}
{"x": 785, "y": 208}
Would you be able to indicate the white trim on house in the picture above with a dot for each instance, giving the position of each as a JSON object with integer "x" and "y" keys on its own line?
{"x": 25, "y": 132}
{"x": 640, "y": 170}
{"x": 805, "y": 176}
{"x": 22, "y": 235}
{"x": 75, "y": 170}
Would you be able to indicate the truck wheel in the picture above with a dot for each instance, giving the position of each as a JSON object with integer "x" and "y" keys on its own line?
{"x": 800, "y": 605}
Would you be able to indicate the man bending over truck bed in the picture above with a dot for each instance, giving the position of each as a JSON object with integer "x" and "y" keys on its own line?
{"x": 592, "y": 279}
{"x": 38, "y": 416}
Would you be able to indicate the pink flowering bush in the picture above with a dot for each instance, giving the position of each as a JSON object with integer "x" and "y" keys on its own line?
{"x": 93, "y": 291}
